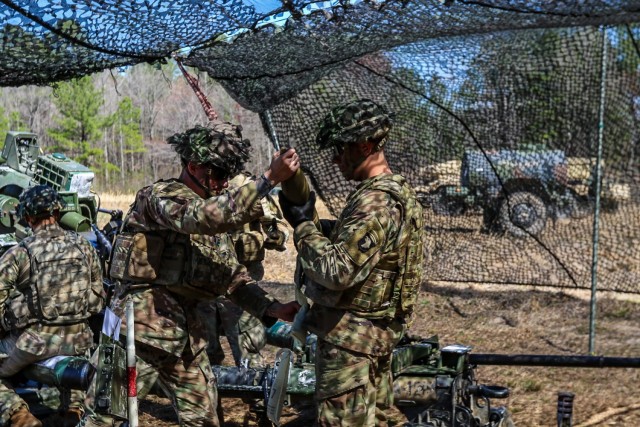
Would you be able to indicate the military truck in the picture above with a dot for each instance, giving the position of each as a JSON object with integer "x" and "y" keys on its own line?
{"x": 23, "y": 165}
{"x": 518, "y": 190}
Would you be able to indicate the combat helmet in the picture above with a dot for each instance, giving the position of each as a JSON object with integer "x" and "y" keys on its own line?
{"x": 39, "y": 200}
{"x": 220, "y": 146}
{"x": 355, "y": 122}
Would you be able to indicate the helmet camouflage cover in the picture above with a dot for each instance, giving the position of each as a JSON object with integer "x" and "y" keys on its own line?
{"x": 38, "y": 200}
{"x": 220, "y": 145}
{"x": 355, "y": 122}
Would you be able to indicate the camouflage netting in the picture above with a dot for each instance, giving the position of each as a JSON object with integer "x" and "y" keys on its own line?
{"x": 474, "y": 84}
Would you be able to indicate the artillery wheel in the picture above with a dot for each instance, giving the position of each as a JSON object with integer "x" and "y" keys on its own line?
{"x": 523, "y": 214}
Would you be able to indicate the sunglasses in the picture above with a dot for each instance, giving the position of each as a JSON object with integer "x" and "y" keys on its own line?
{"x": 216, "y": 173}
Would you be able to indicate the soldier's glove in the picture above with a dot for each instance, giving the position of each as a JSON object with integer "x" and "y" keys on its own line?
{"x": 296, "y": 215}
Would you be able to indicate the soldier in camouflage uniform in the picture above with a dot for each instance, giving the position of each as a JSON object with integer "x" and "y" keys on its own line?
{"x": 50, "y": 284}
{"x": 173, "y": 252}
{"x": 245, "y": 333}
{"x": 363, "y": 277}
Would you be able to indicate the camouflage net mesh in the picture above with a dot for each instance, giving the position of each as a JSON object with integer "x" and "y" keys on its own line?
{"x": 504, "y": 108}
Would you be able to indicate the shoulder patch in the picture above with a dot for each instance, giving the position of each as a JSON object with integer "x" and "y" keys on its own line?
{"x": 367, "y": 242}
{"x": 362, "y": 239}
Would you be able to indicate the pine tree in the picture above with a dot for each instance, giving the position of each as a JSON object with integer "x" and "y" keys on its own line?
{"x": 80, "y": 127}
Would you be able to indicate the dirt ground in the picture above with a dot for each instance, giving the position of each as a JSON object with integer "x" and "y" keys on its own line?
{"x": 499, "y": 319}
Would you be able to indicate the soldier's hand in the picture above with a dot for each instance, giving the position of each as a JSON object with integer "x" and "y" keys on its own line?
{"x": 297, "y": 214}
{"x": 283, "y": 166}
{"x": 284, "y": 312}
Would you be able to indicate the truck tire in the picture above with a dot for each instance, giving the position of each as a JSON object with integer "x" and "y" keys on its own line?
{"x": 523, "y": 214}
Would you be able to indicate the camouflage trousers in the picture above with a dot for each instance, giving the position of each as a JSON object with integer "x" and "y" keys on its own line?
{"x": 245, "y": 333}
{"x": 352, "y": 389}
{"x": 18, "y": 350}
{"x": 188, "y": 381}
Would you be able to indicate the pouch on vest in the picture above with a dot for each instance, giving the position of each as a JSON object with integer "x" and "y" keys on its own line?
{"x": 17, "y": 313}
{"x": 373, "y": 295}
{"x": 139, "y": 257}
{"x": 62, "y": 289}
{"x": 120, "y": 256}
{"x": 211, "y": 267}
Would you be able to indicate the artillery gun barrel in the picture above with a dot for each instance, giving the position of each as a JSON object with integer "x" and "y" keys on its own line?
{"x": 554, "y": 360}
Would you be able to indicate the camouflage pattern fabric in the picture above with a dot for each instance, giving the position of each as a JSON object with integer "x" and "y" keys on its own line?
{"x": 195, "y": 395}
{"x": 244, "y": 332}
{"x": 269, "y": 231}
{"x": 38, "y": 200}
{"x": 363, "y": 242}
{"x": 355, "y": 122}
{"x": 22, "y": 347}
{"x": 59, "y": 290}
{"x": 220, "y": 145}
{"x": 167, "y": 321}
{"x": 352, "y": 389}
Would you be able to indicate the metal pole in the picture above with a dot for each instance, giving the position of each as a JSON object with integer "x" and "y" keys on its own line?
{"x": 132, "y": 391}
{"x": 596, "y": 215}
{"x": 268, "y": 121}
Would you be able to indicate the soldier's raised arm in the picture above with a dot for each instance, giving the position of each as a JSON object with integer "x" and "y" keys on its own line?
{"x": 209, "y": 157}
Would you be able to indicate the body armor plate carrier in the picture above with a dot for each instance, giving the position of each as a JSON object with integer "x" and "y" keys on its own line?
{"x": 391, "y": 289}
{"x": 59, "y": 285}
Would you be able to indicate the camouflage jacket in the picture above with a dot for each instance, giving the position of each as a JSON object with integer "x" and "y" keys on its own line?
{"x": 269, "y": 231}
{"x": 16, "y": 272}
{"x": 351, "y": 259}
{"x": 166, "y": 317}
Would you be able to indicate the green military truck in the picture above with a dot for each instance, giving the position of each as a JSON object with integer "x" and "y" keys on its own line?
{"x": 23, "y": 165}
{"x": 516, "y": 191}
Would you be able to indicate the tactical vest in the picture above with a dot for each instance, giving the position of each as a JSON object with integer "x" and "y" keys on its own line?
{"x": 59, "y": 283}
{"x": 391, "y": 290}
{"x": 194, "y": 265}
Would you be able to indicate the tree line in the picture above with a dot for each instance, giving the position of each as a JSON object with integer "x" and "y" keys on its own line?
{"x": 117, "y": 122}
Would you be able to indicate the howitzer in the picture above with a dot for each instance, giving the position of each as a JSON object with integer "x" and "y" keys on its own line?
{"x": 432, "y": 386}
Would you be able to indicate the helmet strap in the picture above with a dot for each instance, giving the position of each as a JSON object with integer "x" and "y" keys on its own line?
{"x": 207, "y": 191}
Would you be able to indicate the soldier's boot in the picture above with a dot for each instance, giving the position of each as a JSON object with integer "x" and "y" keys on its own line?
{"x": 23, "y": 418}
{"x": 72, "y": 417}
